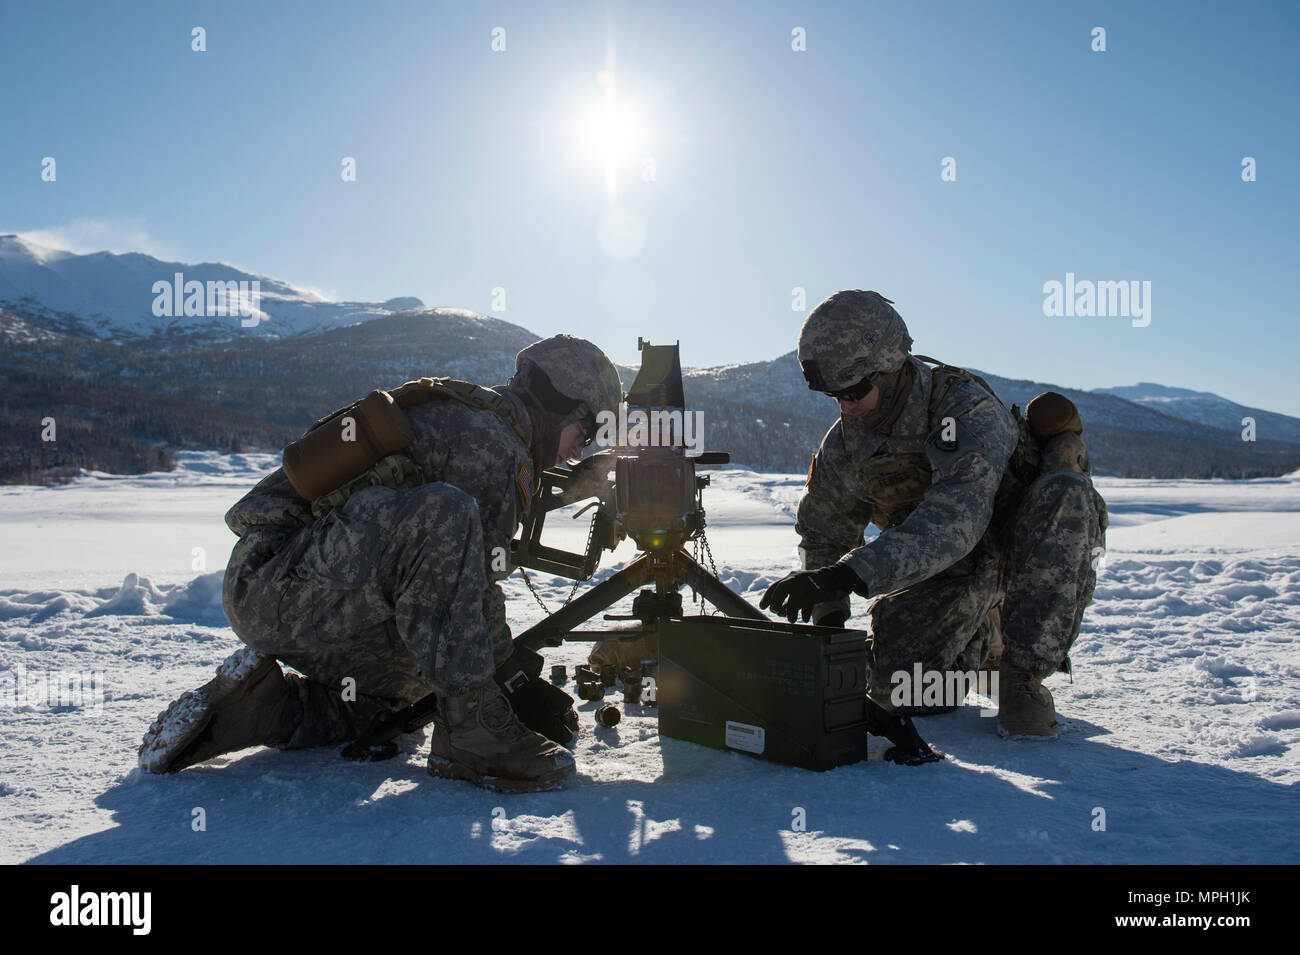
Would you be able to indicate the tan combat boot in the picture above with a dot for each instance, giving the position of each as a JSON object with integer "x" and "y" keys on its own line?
{"x": 248, "y": 703}
{"x": 477, "y": 737}
{"x": 1025, "y": 707}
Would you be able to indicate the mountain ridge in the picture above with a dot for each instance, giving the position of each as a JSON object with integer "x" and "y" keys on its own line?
{"x": 114, "y": 294}
{"x": 287, "y": 377}
{"x": 762, "y": 412}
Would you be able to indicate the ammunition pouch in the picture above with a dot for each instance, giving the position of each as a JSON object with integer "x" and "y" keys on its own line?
{"x": 1050, "y": 439}
{"x": 1054, "y": 421}
{"x": 345, "y": 444}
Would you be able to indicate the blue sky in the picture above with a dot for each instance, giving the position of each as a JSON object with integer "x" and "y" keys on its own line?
{"x": 774, "y": 169}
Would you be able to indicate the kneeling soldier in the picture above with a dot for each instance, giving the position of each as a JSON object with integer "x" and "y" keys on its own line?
{"x": 987, "y": 521}
{"x": 386, "y": 588}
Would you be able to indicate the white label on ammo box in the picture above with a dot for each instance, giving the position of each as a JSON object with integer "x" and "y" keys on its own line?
{"x": 746, "y": 737}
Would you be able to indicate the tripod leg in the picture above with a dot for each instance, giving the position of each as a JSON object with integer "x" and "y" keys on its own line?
{"x": 713, "y": 590}
{"x": 550, "y": 632}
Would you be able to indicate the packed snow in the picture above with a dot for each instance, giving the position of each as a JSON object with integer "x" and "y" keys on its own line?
{"x": 1181, "y": 722}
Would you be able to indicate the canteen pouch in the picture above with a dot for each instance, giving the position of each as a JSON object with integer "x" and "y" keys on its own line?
{"x": 346, "y": 445}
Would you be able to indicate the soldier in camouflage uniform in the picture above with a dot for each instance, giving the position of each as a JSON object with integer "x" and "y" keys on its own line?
{"x": 396, "y": 592}
{"x": 980, "y": 521}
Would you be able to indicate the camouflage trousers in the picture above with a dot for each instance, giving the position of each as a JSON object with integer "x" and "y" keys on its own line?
{"x": 1037, "y": 564}
{"x": 377, "y": 603}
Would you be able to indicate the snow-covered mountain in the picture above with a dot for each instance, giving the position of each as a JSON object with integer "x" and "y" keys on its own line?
{"x": 310, "y": 356}
{"x": 116, "y": 296}
{"x": 1206, "y": 408}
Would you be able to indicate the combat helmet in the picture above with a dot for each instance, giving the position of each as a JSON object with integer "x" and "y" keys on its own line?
{"x": 851, "y": 337}
{"x": 569, "y": 377}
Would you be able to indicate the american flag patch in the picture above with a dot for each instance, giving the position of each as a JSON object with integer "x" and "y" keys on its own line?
{"x": 525, "y": 482}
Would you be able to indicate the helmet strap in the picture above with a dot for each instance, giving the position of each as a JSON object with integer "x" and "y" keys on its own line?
{"x": 546, "y": 438}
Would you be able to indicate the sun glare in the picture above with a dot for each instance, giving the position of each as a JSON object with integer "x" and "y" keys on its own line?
{"x": 610, "y": 134}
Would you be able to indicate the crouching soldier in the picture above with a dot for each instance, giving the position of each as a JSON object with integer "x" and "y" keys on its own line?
{"x": 382, "y": 588}
{"x": 988, "y": 522}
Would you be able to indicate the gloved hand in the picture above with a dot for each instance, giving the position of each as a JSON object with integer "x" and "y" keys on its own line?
{"x": 540, "y": 706}
{"x": 797, "y": 593}
{"x": 589, "y": 478}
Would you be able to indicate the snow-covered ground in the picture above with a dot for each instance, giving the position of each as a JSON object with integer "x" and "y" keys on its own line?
{"x": 1182, "y": 722}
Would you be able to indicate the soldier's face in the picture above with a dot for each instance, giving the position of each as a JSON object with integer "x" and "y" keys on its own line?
{"x": 863, "y": 406}
{"x": 571, "y": 443}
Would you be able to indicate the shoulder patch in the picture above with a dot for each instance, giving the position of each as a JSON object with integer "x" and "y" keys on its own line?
{"x": 525, "y": 481}
{"x": 808, "y": 479}
{"x": 945, "y": 435}
{"x": 947, "y": 445}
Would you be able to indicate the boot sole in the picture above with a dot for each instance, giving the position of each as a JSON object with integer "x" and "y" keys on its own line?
{"x": 446, "y": 769}
{"x": 164, "y": 744}
{"x": 1015, "y": 733}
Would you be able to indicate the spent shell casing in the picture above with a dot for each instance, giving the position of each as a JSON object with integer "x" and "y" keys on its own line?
{"x": 631, "y": 684}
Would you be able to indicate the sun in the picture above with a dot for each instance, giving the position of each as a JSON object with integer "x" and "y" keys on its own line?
{"x": 610, "y": 133}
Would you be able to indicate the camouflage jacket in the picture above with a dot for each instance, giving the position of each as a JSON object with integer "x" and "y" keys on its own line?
{"x": 474, "y": 449}
{"x": 928, "y": 482}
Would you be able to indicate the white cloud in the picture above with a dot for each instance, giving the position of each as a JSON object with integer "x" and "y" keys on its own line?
{"x": 97, "y": 235}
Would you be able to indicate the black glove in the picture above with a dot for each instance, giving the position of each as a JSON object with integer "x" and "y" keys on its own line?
{"x": 589, "y": 478}
{"x": 797, "y": 593}
{"x": 540, "y": 706}
{"x": 545, "y": 709}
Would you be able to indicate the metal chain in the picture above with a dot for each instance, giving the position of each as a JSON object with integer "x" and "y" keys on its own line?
{"x": 713, "y": 568}
{"x": 702, "y": 542}
{"x": 591, "y": 533}
{"x": 702, "y": 548}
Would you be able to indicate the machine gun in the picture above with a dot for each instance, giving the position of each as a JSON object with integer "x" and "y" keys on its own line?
{"x": 648, "y": 491}
{"x": 655, "y": 497}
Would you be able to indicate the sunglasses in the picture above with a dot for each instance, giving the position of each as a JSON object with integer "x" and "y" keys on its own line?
{"x": 588, "y": 430}
{"x": 813, "y": 375}
{"x": 855, "y": 393}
